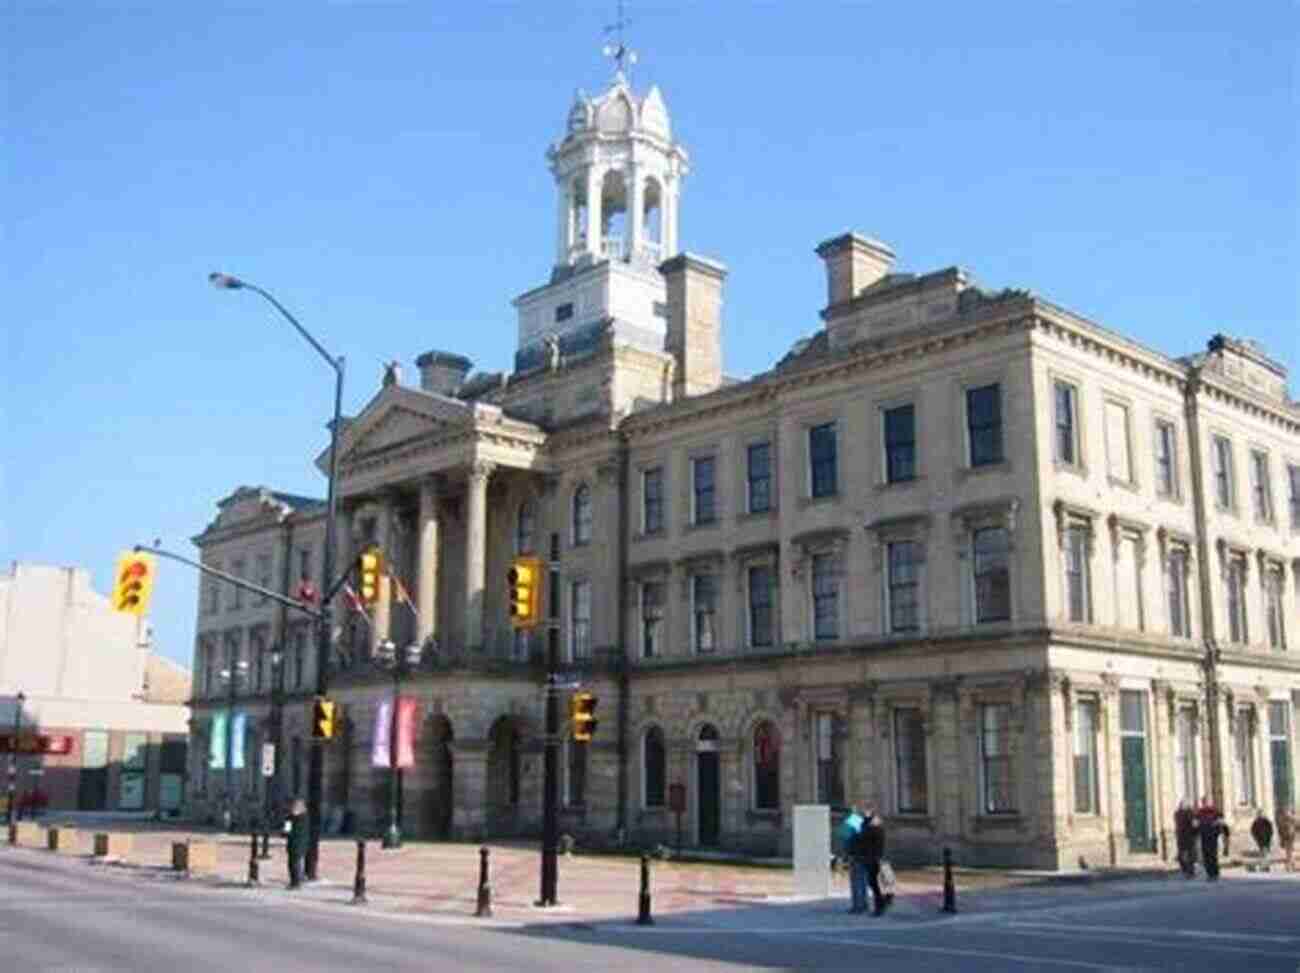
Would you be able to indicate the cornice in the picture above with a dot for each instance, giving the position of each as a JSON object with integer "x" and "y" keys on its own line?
{"x": 1088, "y": 336}
{"x": 1228, "y": 393}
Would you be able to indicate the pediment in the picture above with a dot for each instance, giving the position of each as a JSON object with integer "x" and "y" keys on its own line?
{"x": 400, "y": 415}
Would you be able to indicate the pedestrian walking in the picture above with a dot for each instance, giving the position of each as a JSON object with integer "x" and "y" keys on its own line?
{"x": 1286, "y": 833}
{"x": 855, "y": 853}
{"x": 873, "y": 853}
{"x": 297, "y": 841}
{"x": 1185, "y": 836}
{"x": 1210, "y": 826}
{"x": 1261, "y": 829}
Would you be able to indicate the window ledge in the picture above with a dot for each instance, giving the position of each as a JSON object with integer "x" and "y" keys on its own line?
{"x": 1077, "y": 469}
{"x": 829, "y": 498}
{"x": 707, "y": 525}
{"x": 967, "y": 471}
{"x": 992, "y": 821}
{"x": 1175, "y": 498}
{"x": 912, "y": 819}
{"x": 1129, "y": 485}
{"x": 772, "y": 817}
{"x": 649, "y": 535}
{"x": 886, "y": 485}
{"x": 769, "y": 514}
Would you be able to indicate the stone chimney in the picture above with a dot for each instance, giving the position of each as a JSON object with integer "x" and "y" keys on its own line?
{"x": 853, "y": 263}
{"x": 694, "y": 322}
{"x": 442, "y": 372}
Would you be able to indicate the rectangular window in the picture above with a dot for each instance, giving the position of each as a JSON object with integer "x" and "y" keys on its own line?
{"x": 1085, "y": 757}
{"x": 992, "y": 571}
{"x": 1118, "y": 453}
{"x": 214, "y": 591}
{"x": 304, "y": 563}
{"x": 1066, "y": 397}
{"x": 704, "y": 609}
{"x": 760, "y": 478}
{"x": 761, "y": 579}
{"x": 996, "y": 795}
{"x": 1293, "y": 476}
{"x": 522, "y": 647}
{"x": 904, "y": 586}
{"x": 1166, "y": 459}
{"x": 652, "y": 500}
{"x": 652, "y": 618}
{"x": 1261, "y": 488}
{"x": 1186, "y": 742}
{"x": 236, "y": 600}
{"x": 826, "y": 597}
{"x": 300, "y": 660}
{"x": 1237, "y": 601}
{"x": 1076, "y": 574}
{"x": 909, "y": 761}
{"x": 1243, "y": 759}
{"x": 263, "y": 575}
{"x": 580, "y": 613}
{"x": 564, "y": 312}
{"x": 900, "y": 444}
{"x": 1179, "y": 615}
{"x": 1221, "y": 457}
{"x": 822, "y": 460}
{"x": 984, "y": 424}
{"x": 1279, "y": 746}
{"x": 704, "y": 494}
{"x": 830, "y": 782}
{"x": 1273, "y": 605}
{"x": 575, "y": 766}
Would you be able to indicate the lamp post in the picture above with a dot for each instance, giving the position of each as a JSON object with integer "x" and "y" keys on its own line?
{"x": 277, "y": 732}
{"x": 316, "y": 767}
{"x": 11, "y": 813}
{"x": 400, "y": 665}
{"x": 231, "y": 677}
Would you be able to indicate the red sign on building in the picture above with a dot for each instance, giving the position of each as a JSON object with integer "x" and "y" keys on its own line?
{"x": 42, "y": 743}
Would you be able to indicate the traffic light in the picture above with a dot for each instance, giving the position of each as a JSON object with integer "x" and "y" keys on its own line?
{"x": 371, "y": 567}
{"x": 322, "y": 718}
{"x": 524, "y": 580}
{"x": 582, "y": 711}
{"x": 133, "y": 582}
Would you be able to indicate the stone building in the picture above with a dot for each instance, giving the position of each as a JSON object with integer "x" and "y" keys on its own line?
{"x": 1013, "y": 578}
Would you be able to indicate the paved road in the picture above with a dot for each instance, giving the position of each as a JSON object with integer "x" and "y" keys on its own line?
{"x": 65, "y": 915}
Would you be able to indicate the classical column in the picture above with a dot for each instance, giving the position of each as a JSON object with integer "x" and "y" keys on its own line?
{"x": 384, "y": 538}
{"x": 632, "y": 179}
{"x": 595, "y": 239}
{"x": 475, "y": 550}
{"x": 427, "y": 586}
{"x": 563, "y": 226}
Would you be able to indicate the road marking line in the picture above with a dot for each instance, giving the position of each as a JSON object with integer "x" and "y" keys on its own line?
{"x": 1167, "y": 942}
{"x": 1064, "y": 924}
{"x": 984, "y": 954}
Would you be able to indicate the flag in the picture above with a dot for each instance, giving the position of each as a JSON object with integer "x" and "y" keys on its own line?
{"x": 355, "y": 603}
{"x": 379, "y": 749}
{"x": 403, "y": 595}
{"x": 217, "y": 741}
{"x": 406, "y": 713}
{"x": 238, "y": 725}
{"x": 307, "y": 592}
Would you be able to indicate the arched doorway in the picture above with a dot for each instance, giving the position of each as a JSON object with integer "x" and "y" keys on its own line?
{"x": 708, "y": 790}
{"x": 503, "y": 774}
{"x": 441, "y": 796}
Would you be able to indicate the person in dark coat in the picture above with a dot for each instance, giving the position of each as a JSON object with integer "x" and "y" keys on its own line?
{"x": 854, "y": 849}
{"x": 296, "y": 845}
{"x": 1261, "y": 829}
{"x": 873, "y": 853}
{"x": 1185, "y": 836}
{"x": 1210, "y": 826}
{"x": 1286, "y": 833}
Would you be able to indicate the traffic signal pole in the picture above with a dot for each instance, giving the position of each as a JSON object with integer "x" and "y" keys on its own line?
{"x": 551, "y": 780}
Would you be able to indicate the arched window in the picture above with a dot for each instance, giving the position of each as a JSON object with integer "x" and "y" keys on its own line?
{"x": 652, "y": 211}
{"x": 654, "y": 766}
{"x": 767, "y": 767}
{"x": 582, "y": 515}
{"x": 525, "y": 528}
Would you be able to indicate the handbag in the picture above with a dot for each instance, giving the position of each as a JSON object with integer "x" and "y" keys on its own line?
{"x": 888, "y": 880}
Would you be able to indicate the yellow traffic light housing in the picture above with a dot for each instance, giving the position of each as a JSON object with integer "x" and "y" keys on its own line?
{"x": 322, "y": 718}
{"x": 582, "y": 711}
{"x": 524, "y": 582}
{"x": 370, "y": 565}
{"x": 133, "y": 582}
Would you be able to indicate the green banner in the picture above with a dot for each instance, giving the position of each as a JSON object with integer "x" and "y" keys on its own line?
{"x": 217, "y": 741}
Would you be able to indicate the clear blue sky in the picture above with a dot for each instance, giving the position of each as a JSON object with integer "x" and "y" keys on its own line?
{"x": 379, "y": 167}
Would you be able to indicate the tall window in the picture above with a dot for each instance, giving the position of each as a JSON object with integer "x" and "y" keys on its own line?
{"x": 236, "y": 593}
{"x": 900, "y": 444}
{"x": 826, "y": 743}
{"x": 1237, "y": 600}
{"x": 1273, "y": 608}
{"x": 257, "y": 658}
{"x": 1261, "y": 488}
{"x": 582, "y": 515}
{"x": 704, "y": 495}
{"x": 1118, "y": 453}
{"x": 1085, "y": 757}
{"x": 1293, "y": 476}
{"x": 526, "y": 528}
{"x": 822, "y": 460}
{"x": 655, "y": 767}
{"x": 759, "y": 477}
{"x": 996, "y": 795}
{"x": 704, "y": 609}
{"x": 580, "y": 613}
{"x": 575, "y": 773}
{"x": 1221, "y": 457}
{"x": 904, "y": 586}
{"x": 263, "y": 576}
{"x": 652, "y": 618}
{"x": 1243, "y": 758}
{"x": 984, "y": 424}
{"x": 825, "y": 597}
{"x": 1076, "y": 574}
{"x": 1066, "y": 397}
{"x": 652, "y": 500}
{"x": 1166, "y": 459}
{"x": 1186, "y": 741}
{"x": 761, "y": 578}
{"x": 1179, "y": 614}
{"x": 767, "y": 767}
{"x": 1279, "y": 746}
{"x": 208, "y": 654}
{"x": 214, "y": 591}
{"x": 304, "y": 563}
{"x": 992, "y": 571}
{"x": 909, "y": 761}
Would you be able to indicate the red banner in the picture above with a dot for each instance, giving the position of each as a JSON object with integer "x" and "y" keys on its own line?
{"x": 407, "y": 707}
{"x": 42, "y": 743}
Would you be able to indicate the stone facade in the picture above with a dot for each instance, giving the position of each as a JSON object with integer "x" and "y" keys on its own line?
{"x": 962, "y": 555}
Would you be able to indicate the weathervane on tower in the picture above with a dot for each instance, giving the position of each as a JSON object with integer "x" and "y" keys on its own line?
{"x": 623, "y": 55}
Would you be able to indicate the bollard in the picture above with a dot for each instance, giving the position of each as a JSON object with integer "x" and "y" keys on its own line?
{"x": 359, "y": 883}
{"x": 643, "y": 917}
{"x": 484, "y": 909}
{"x": 254, "y": 872}
{"x": 949, "y": 889}
{"x": 266, "y": 846}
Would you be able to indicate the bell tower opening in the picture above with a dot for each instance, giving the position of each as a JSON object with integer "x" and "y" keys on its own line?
{"x": 613, "y": 216}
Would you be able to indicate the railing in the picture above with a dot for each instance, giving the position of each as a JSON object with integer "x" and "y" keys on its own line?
{"x": 613, "y": 247}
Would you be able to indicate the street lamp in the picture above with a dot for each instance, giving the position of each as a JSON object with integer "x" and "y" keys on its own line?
{"x": 316, "y": 767}
{"x": 231, "y": 679}
{"x": 10, "y": 814}
{"x": 400, "y": 665}
{"x": 277, "y": 732}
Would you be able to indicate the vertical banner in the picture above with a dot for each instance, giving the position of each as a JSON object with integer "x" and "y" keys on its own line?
{"x": 238, "y": 726}
{"x": 217, "y": 741}
{"x": 406, "y": 710}
{"x": 379, "y": 750}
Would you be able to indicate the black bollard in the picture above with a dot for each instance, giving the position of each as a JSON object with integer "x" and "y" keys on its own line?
{"x": 359, "y": 882}
{"x": 484, "y": 909}
{"x": 254, "y": 875}
{"x": 643, "y": 917}
{"x": 266, "y": 846}
{"x": 949, "y": 889}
